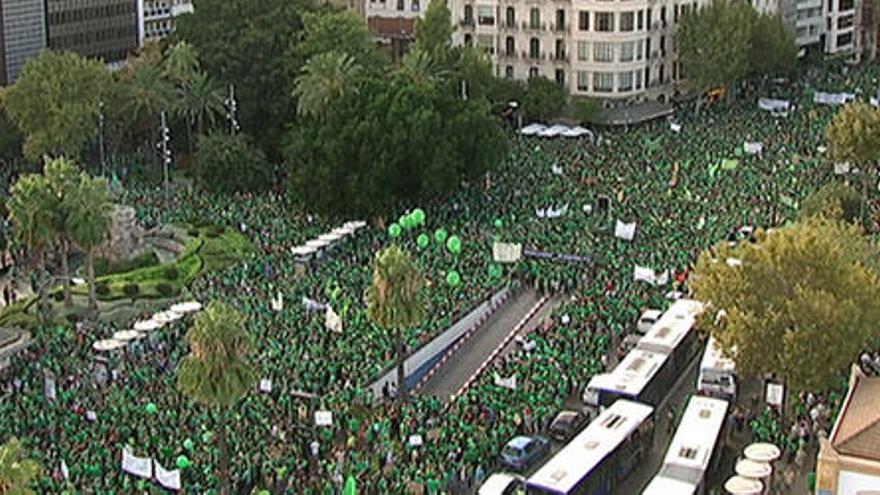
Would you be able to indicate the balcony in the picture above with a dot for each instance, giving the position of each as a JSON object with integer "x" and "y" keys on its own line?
{"x": 504, "y": 26}
{"x": 534, "y": 56}
{"x": 468, "y": 23}
{"x": 560, "y": 58}
{"x": 560, "y": 28}
{"x": 507, "y": 55}
{"x": 528, "y": 26}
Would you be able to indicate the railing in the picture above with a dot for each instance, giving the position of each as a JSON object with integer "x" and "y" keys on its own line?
{"x": 528, "y": 26}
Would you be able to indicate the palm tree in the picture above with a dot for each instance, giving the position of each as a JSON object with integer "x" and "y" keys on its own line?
{"x": 88, "y": 223}
{"x": 324, "y": 78}
{"x": 16, "y": 472}
{"x": 30, "y": 212}
{"x": 396, "y": 300}
{"x": 217, "y": 372}
{"x": 148, "y": 94}
{"x": 420, "y": 67}
{"x": 61, "y": 179}
{"x": 181, "y": 63}
{"x": 199, "y": 102}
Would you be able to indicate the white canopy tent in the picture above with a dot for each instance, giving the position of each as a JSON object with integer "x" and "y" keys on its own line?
{"x": 532, "y": 129}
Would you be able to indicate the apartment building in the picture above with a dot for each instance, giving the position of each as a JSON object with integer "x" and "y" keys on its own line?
{"x": 22, "y": 35}
{"x": 104, "y": 29}
{"x": 393, "y": 21}
{"x": 156, "y": 17}
{"x": 613, "y": 49}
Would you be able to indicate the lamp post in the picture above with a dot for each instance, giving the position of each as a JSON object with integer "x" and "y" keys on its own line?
{"x": 166, "y": 152}
{"x": 232, "y": 110}
{"x": 101, "y": 136}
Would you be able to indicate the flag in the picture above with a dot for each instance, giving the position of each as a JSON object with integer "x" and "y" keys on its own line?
{"x": 625, "y": 231}
{"x": 350, "y": 486}
{"x": 505, "y": 252}
{"x": 168, "y": 479}
{"x": 278, "y": 303}
{"x": 138, "y": 466}
{"x": 644, "y": 274}
{"x": 509, "y": 382}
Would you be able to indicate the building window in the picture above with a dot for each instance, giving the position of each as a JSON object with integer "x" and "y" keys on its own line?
{"x": 627, "y": 21}
{"x": 560, "y": 77}
{"x": 584, "y": 20}
{"x": 638, "y": 79}
{"x": 534, "y": 48}
{"x": 468, "y": 40}
{"x": 509, "y": 46}
{"x": 469, "y": 15}
{"x": 583, "y": 80}
{"x": 603, "y": 52}
{"x": 626, "y": 51}
{"x": 675, "y": 13}
{"x": 415, "y": 5}
{"x": 508, "y": 72}
{"x": 486, "y": 42}
{"x": 583, "y": 51}
{"x": 485, "y": 15}
{"x": 844, "y": 5}
{"x": 604, "y": 22}
{"x": 510, "y": 17}
{"x": 640, "y": 49}
{"x": 640, "y": 19}
{"x": 400, "y": 5}
{"x": 603, "y": 82}
{"x": 534, "y": 18}
{"x": 560, "y": 20}
{"x": 624, "y": 81}
{"x": 533, "y": 72}
{"x": 844, "y": 40}
{"x": 845, "y": 21}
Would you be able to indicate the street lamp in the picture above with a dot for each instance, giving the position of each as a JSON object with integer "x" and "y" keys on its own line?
{"x": 101, "y": 135}
{"x": 232, "y": 110}
{"x": 166, "y": 152}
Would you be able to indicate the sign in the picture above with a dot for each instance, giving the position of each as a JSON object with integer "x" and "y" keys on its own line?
{"x": 753, "y": 148}
{"x": 841, "y": 168}
{"x": 775, "y": 394}
{"x": 833, "y": 99}
{"x": 49, "y": 386}
{"x": 641, "y": 273}
{"x": 64, "y": 471}
{"x": 278, "y": 303}
{"x": 571, "y": 258}
{"x": 676, "y": 128}
{"x": 776, "y": 107}
{"x": 332, "y": 321}
{"x": 91, "y": 416}
{"x": 312, "y": 305}
{"x": 625, "y": 231}
{"x": 323, "y": 418}
{"x": 556, "y": 170}
{"x": 138, "y": 466}
{"x": 168, "y": 479}
{"x": 509, "y": 383}
{"x": 416, "y": 441}
{"x": 265, "y": 385}
{"x": 505, "y": 252}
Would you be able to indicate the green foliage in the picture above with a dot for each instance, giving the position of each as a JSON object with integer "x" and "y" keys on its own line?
{"x": 11, "y": 141}
{"x": 340, "y": 31}
{"x": 165, "y": 289}
{"x": 433, "y": 32}
{"x": 171, "y": 273}
{"x": 181, "y": 63}
{"x": 55, "y": 103}
{"x": 103, "y": 266}
{"x": 586, "y": 109}
{"x": 29, "y": 207}
{"x": 102, "y": 289}
{"x": 396, "y": 299}
{"x": 229, "y": 163}
{"x": 199, "y": 102}
{"x": 835, "y": 201}
{"x": 131, "y": 290}
{"x": 773, "y": 49}
{"x": 217, "y": 372}
{"x": 543, "y": 99}
{"x": 854, "y": 134}
{"x": 325, "y": 78}
{"x": 17, "y": 472}
{"x": 802, "y": 295}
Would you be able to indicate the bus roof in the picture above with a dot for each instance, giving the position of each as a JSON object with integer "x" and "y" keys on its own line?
{"x": 632, "y": 374}
{"x": 694, "y": 442}
{"x": 662, "y": 485}
{"x": 590, "y": 447}
{"x": 714, "y": 359}
{"x": 665, "y": 335}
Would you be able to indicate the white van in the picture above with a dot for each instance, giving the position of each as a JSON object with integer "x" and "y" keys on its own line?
{"x": 502, "y": 484}
{"x": 717, "y": 376}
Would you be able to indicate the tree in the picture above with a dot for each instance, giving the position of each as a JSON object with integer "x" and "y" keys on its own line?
{"x": 30, "y": 210}
{"x": 61, "y": 179}
{"x": 199, "y": 102}
{"x": 148, "y": 94}
{"x": 217, "y": 372}
{"x": 713, "y": 43}
{"x": 587, "y": 109}
{"x": 55, "y": 103}
{"x": 543, "y": 99}
{"x": 340, "y": 31}
{"x": 835, "y": 201}
{"x": 88, "y": 223}
{"x": 772, "y": 49}
{"x": 231, "y": 163}
{"x": 325, "y": 78}
{"x": 433, "y": 32}
{"x": 181, "y": 63}
{"x": 854, "y": 136}
{"x": 16, "y": 471}
{"x": 802, "y": 295}
{"x": 396, "y": 300}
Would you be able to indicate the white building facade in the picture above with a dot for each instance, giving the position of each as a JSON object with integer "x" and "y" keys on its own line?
{"x": 156, "y": 17}
{"x": 619, "y": 49}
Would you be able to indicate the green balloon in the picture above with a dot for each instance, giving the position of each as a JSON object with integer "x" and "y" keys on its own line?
{"x": 263, "y": 492}
{"x": 394, "y": 230}
{"x": 419, "y": 216}
{"x": 440, "y": 235}
{"x": 188, "y": 444}
{"x": 494, "y": 271}
{"x": 423, "y": 240}
{"x": 405, "y": 221}
{"x": 183, "y": 462}
{"x": 151, "y": 408}
{"x": 453, "y": 244}
{"x": 498, "y": 223}
{"x": 453, "y": 278}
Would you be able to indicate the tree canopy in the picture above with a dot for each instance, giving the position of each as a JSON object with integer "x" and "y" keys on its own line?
{"x": 801, "y": 295}
{"x": 854, "y": 134}
{"x": 232, "y": 163}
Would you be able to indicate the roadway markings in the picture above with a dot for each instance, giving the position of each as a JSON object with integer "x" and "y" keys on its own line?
{"x": 516, "y": 329}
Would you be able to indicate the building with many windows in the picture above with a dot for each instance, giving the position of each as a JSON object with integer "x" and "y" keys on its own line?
{"x": 393, "y": 21}
{"x": 22, "y": 35}
{"x": 156, "y": 17}
{"x": 103, "y": 29}
{"x": 618, "y": 49}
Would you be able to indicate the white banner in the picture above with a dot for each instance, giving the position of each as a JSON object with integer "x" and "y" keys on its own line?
{"x": 138, "y": 466}
{"x": 416, "y": 441}
{"x": 556, "y": 170}
{"x": 774, "y": 106}
{"x": 168, "y": 479}
{"x": 323, "y": 418}
{"x": 278, "y": 303}
{"x": 841, "y": 168}
{"x": 64, "y": 471}
{"x": 332, "y": 321}
{"x": 875, "y": 102}
{"x": 265, "y": 385}
{"x": 550, "y": 212}
{"x": 753, "y": 148}
{"x": 509, "y": 382}
{"x": 625, "y": 231}
{"x": 506, "y": 252}
{"x": 835, "y": 99}
{"x": 644, "y": 274}
{"x": 775, "y": 394}
{"x": 312, "y": 305}
{"x": 676, "y": 128}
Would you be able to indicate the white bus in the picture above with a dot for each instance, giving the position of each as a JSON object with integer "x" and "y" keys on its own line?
{"x": 637, "y": 377}
{"x": 601, "y": 455}
{"x": 674, "y": 334}
{"x": 695, "y": 449}
{"x": 717, "y": 376}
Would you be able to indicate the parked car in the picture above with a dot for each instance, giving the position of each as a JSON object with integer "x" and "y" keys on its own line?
{"x": 522, "y": 452}
{"x": 567, "y": 424}
{"x": 501, "y": 484}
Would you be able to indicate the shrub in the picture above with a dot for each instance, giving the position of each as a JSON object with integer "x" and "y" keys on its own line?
{"x": 214, "y": 231}
{"x": 104, "y": 266}
{"x": 131, "y": 290}
{"x": 193, "y": 232}
{"x": 171, "y": 273}
{"x": 165, "y": 289}
{"x": 231, "y": 163}
{"x": 102, "y": 289}
{"x": 543, "y": 99}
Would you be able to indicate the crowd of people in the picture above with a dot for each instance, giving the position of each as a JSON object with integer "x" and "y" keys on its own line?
{"x": 667, "y": 182}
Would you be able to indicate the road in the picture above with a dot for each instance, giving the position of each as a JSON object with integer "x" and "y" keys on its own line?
{"x": 471, "y": 356}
